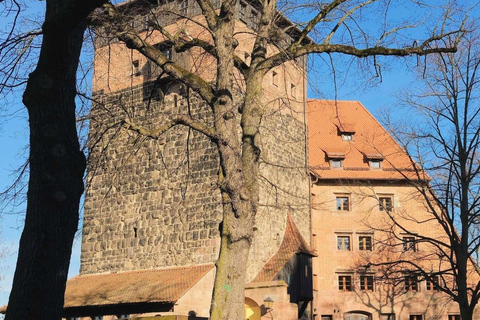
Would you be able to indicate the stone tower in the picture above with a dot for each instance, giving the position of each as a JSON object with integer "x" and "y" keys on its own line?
{"x": 154, "y": 203}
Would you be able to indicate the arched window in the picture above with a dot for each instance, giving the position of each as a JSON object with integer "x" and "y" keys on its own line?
{"x": 357, "y": 315}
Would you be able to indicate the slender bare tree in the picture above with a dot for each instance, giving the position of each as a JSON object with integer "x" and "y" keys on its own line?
{"x": 444, "y": 143}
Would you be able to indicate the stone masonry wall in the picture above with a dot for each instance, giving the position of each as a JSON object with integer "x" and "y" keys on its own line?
{"x": 155, "y": 203}
{"x": 149, "y": 203}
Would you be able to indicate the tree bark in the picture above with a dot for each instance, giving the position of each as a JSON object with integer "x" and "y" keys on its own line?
{"x": 57, "y": 167}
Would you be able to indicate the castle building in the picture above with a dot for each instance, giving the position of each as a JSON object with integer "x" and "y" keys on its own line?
{"x": 366, "y": 214}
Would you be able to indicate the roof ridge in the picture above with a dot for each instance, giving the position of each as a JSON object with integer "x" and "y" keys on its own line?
{"x": 143, "y": 270}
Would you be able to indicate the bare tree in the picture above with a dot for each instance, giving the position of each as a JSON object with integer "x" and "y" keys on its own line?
{"x": 56, "y": 162}
{"x": 444, "y": 143}
{"x": 334, "y": 28}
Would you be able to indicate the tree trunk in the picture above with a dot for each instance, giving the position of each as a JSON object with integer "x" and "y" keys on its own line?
{"x": 57, "y": 167}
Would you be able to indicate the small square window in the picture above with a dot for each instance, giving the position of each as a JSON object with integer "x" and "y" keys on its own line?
{"x": 347, "y": 137}
{"x": 416, "y": 317}
{"x": 409, "y": 244}
{"x": 336, "y": 163}
{"x": 387, "y": 316}
{"x": 375, "y": 164}
{"x": 365, "y": 243}
{"x": 385, "y": 203}
{"x": 343, "y": 243}
{"x": 366, "y": 283}
{"x": 345, "y": 283}
{"x": 343, "y": 203}
{"x": 411, "y": 283}
{"x": 432, "y": 283}
{"x": 275, "y": 78}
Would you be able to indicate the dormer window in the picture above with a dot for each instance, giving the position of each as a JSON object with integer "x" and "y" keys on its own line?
{"x": 374, "y": 160}
{"x": 336, "y": 163}
{"x": 335, "y": 159}
{"x": 375, "y": 164}
{"x": 346, "y": 131}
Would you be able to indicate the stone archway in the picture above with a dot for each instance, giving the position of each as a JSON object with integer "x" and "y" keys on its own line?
{"x": 252, "y": 310}
{"x": 357, "y": 315}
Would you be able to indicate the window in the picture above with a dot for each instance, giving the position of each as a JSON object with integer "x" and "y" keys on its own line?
{"x": 336, "y": 163}
{"x": 385, "y": 203}
{"x": 347, "y": 136}
{"x": 275, "y": 78}
{"x": 184, "y": 7}
{"x": 326, "y": 317}
{"x": 454, "y": 317}
{"x": 366, "y": 283}
{"x": 136, "y": 68}
{"x": 432, "y": 283}
{"x": 343, "y": 243}
{"x": 168, "y": 52}
{"x": 387, "y": 316}
{"x": 409, "y": 244}
{"x": 416, "y": 317}
{"x": 375, "y": 164}
{"x": 365, "y": 243}
{"x": 293, "y": 90}
{"x": 345, "y": 283}
{"x": 242, "y": 12}
{"x": 343, "y": 203}
{"x": 411, "y": 283}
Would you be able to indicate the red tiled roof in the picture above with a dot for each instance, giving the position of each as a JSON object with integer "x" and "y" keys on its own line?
{"x": 370, "y": 141}
{"x": 292, "y": 243}
{"x": 164, "y": 285}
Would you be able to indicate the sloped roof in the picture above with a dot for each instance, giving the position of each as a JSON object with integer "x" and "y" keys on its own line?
{"x": 292, "y": 243}
{"x": 145, "y": 286}
{"x": 370, "y": 141}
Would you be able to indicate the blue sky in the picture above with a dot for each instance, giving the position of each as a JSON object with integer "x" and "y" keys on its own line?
{"x": 397, "y": 74}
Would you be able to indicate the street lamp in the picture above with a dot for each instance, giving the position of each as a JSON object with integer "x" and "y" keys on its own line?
{"x": 268, "y": 303}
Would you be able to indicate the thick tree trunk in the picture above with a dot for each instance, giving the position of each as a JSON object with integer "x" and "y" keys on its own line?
{"x": 56, "y": 167}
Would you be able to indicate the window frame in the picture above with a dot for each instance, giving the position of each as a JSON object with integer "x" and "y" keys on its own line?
{"x": 409, "y": 243}
{"x": 342, "y": 246}
{"x": 365, "y": 243}
{"x": 432, "y": 286}
{"x": 411, "y": 283}
{"x": 367, "y": 282}
{"x": 340, "y": 205}
{"x": 334, "y": 161}
{"x": 415, "y": 317}
{"x": 343, "y": 284}
{"x": 377, "y": 162}
{"x": 383, "y": 203}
